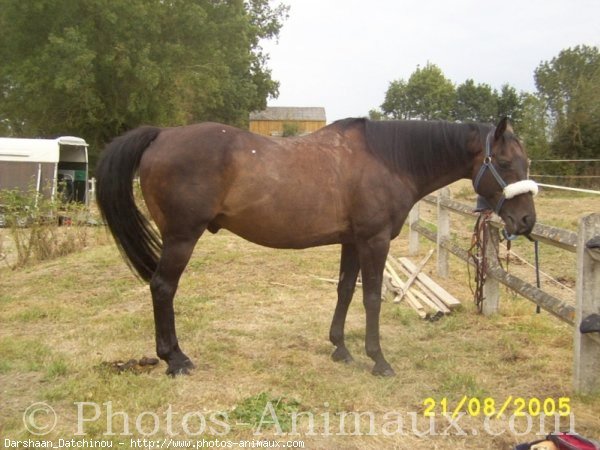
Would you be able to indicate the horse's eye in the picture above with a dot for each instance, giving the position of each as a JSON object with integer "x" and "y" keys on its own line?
{"x": 504, "y": 163}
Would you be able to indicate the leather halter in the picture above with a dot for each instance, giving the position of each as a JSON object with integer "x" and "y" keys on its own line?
{"x": 508, "y": 190}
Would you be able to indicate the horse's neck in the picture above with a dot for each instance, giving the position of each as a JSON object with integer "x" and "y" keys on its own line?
{"x": 453, "y": 170}
{"x": 428, "y": 155}
{"x": 449, "y": 176}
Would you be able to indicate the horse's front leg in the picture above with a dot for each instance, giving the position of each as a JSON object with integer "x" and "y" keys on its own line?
{"x": 373, "y": 253}
{"x": 349, "y": 267}
{"x": 163, "y": 286}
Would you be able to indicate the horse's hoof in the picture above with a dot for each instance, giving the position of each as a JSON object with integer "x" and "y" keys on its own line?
{"x": 383, "y": 371}
{"x": 184, "y": 368}
{"x": 342, "y": 355}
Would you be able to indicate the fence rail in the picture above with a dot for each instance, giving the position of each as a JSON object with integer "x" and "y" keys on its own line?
{"x": 567, "y": 188}
{"x": 586, "y": 346}
{"x": 582, "y": 180}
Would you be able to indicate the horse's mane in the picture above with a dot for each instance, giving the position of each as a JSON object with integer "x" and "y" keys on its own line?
{"x": 419, "y": 147}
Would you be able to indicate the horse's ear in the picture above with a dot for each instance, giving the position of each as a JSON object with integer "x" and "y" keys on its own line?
{"x": 502, "y": 127}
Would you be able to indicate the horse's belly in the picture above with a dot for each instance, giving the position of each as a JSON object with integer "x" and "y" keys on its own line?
{"x": 299, "y": 221}
{"x": 292, "y": 239}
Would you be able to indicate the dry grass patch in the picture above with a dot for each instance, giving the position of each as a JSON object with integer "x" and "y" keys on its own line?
{"x": 256, "y": 324}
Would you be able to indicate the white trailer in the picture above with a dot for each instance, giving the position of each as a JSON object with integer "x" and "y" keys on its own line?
{"x": 46, "y": 165}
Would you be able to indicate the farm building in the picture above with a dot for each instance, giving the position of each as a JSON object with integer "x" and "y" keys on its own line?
{"x": 286, "y": 121}
{"x": 46, "y": 165}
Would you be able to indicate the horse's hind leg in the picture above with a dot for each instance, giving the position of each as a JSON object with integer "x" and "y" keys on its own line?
{"x": 174, "y": 258}
{"x": 349, "y": 267}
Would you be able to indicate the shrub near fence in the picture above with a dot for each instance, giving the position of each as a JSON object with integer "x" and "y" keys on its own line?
{"x": 33, "y": 225}
{"x": 586, "y": 346}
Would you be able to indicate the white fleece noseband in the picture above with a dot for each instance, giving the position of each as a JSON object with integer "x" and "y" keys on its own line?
{"x": 520, "y": 187}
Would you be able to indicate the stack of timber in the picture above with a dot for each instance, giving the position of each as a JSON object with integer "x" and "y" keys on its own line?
{"x": 404, "y": 280}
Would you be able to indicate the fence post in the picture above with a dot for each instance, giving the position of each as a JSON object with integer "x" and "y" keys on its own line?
{"x": 586, "y": 360}
{"x": 91, "y": 192}
{"x": 443, "y": 233}
{"x": 413, "y": 234}
{"x": 491, "y": 288}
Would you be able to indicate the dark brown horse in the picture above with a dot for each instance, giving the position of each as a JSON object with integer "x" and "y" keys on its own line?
{"x": 351, "y": 183}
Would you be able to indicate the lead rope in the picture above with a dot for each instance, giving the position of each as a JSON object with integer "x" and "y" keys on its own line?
{"x": 538, "y": 283}
{"x": 477, "y": 254}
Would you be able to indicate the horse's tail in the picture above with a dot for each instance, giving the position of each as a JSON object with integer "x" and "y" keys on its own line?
{"x": 138, "y": 242}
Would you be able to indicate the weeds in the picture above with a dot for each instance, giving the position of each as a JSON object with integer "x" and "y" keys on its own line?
{"x": 259, "y": 411}
{"x": 40, "y": 228}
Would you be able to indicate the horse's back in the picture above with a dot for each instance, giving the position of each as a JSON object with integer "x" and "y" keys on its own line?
{"x": 278, "y": 192}
{"x": 286, "y": 192}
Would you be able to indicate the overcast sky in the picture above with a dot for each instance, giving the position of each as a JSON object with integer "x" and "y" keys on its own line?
{"x": 342, "y": 54}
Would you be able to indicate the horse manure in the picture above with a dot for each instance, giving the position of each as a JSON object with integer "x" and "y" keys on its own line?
{"x": 145, "y": 361}
{"x": 144, "y": 365}
{"x": 435, "y": 316}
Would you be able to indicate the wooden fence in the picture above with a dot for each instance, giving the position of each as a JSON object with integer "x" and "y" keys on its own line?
{"x": 586, "y": 370}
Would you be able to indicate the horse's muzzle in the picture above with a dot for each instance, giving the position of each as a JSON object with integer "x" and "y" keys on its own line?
{"x": 519, "y": 224}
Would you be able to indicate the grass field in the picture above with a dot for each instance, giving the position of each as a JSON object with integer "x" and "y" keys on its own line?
{"x": 255, "y": 321}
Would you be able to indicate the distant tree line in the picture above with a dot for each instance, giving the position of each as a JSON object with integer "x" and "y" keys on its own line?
{"x": 96, "y": 68}
{"x": 560, "y": 120}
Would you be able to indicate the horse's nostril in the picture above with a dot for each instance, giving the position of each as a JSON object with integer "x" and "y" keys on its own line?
{"x": 527, "y": 221}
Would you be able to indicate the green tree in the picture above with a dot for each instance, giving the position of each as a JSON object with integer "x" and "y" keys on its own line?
{"x": 96, "y": 68}
{"x": 476, "y": 103}
{"x": 532, "y": 126}
{"x": 570, "y": 86}
{"x": 396, "y": 104}
{"x": 430, "y": 94}
{"x": 509, "y": 104}
{"x": 376, "y": 114}
{"x": 427, "y": 95}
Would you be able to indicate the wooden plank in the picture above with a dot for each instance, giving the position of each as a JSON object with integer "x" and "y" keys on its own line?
{"x": 413, "y": 276}
{"x": 433, "y": 304}
{"x": 557, "y": 307}
{"x": 424, "y": 289}
{"x": 418, "y": 283}
{"x": 332, "y": 280}
{"x": 394, "y": 276}
{"x": 395, "y": 283}
{"x": 453, "y": 205}
{"x": 414, "y": 303}
{"x": 439, "y": 305}
{"x": 388, "y": 289}
{"x": 565, "y": 239}
{"x": 442, "y": 294}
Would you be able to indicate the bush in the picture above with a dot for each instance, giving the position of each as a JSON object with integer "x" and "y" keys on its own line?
{"x": 41, "y": 228}
{"x": 290, "y": 129}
